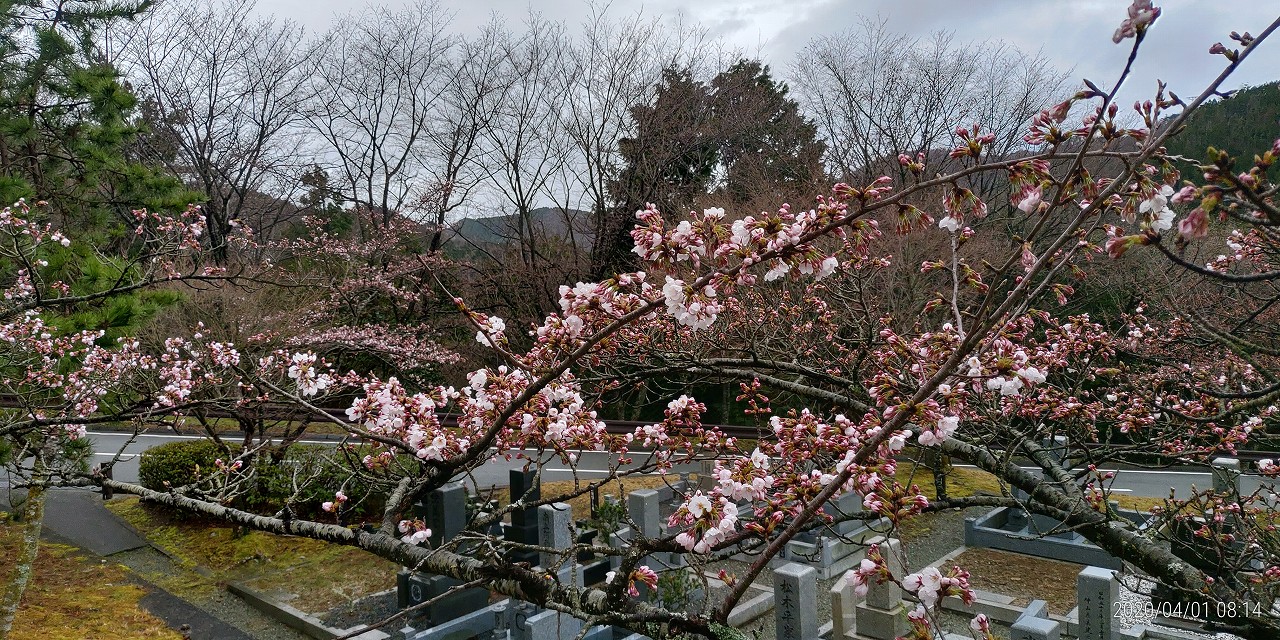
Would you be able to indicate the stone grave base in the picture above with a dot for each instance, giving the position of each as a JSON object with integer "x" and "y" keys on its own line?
{"x": 1009, "y": 529}
{"x": 831, "y": 555}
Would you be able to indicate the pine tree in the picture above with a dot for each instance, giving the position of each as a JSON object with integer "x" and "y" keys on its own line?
{"x": 66, "y": 119}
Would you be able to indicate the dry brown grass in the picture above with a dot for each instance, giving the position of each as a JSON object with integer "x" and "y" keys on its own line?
{"x": 1024, "y": 577}
{"x": 73, "y": 597}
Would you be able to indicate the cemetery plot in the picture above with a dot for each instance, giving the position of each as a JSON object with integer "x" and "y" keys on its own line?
{"x": 1024, "y": 577}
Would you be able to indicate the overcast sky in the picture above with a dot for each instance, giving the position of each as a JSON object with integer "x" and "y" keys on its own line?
{"x": 1073, "y": 33}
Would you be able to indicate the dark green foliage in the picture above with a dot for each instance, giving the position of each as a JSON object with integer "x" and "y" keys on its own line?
{"x": 1246, "y": 123}
{"x": 318, "y": 475}
{"x": 66, "y": 119}
{"x": 608, "y": 517}
{"x": 741, "y": 126}
{"x": 177, "y": 464}
{"x": 307, "y": 477}
{"x": 769, "y": 150}
{"x": 89, "y": 272}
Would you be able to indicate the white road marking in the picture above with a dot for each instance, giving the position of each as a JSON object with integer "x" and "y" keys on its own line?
{"x": 186, "y": 437}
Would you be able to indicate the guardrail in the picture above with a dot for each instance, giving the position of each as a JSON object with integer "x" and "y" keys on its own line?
{"x": 291, "y": 413}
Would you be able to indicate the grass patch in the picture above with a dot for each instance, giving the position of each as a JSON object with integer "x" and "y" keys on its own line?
{"x": 71, "y": 596}
{"x": 582, "y": 504}
{"x": 963, "y": 483}
{"x": 313, "y": 576}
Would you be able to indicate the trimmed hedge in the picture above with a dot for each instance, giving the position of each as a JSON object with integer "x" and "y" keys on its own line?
{"x": 313, "y": 465}
{"x": 176, "y": 463}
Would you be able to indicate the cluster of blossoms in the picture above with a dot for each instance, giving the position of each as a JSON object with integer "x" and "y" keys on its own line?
{"x": 946, "y": 427}
{"x": 491, "y": 331}
{"x": 414, "y": 531}
{"x": 339, "y": 499}
{"x": 872, "y": 569}
{"x": 235, "y": 466}
{"x": 304, "y": 371}
{"x": 388, "y": 410}
{"x": 961, "y": 203}
{"x": 408, "y": 347}
{"x": 697, "y": 309}
{"x": 745, "y": 478}
{"x": 1141, "y": 15}
{"x": 640, "y": 575}
{"x": 710, "y": 521}
{"x": 931, "y": 585}
{"x": 890, "y": 499}
{"x": 717, "y": 256}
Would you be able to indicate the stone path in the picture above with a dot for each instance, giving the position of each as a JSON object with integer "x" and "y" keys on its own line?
{"x": 77, "y": 517}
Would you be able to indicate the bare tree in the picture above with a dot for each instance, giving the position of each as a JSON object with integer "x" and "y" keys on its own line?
{"x": 469, "y": 104}
{"x": 222, "y": 93}
{"x": 605, "y": 80}
{"x": 524, "y": 145}
{"x": 377, "y": 83}
{"x": 875, "y": 94}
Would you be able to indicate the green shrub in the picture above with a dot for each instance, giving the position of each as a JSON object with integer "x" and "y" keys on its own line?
{"x": 177, "y": 462}
{"x": 315, "y": 470}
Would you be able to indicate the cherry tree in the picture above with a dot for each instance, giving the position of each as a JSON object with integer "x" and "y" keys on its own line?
{"x": 57, "y": 383}
{"x": 986, "y": 374}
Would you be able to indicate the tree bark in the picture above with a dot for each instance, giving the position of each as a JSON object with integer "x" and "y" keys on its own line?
{"x": 28, "y": 548}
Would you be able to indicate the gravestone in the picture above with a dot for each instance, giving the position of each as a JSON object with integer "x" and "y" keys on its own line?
{"x": 445, "y": 512}
{"x": 843, "y": 616}
{"x": 1226, "y": 476}
{"x": 1226, "y": 480}
{"x": 845, "y": 505}
{"x": 554, "y": 521}
{"x": 795, "y": 593}
{"x": 524, "y": 486}
{"x": 524, "y": 522}
{"x": 882, "y": 616}
{"x": 1097, "y": 590}
{"x": 1035, "y": 629}
{"x": 644, "y": 507}
{"x": 1034, "y": 624}
{"x": 551, "y": 625}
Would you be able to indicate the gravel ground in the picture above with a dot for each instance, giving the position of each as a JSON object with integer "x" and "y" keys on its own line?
{"x": 1135, "y": 608}
{"x": 149, "y": 563}
{"x": 365, "y": 611}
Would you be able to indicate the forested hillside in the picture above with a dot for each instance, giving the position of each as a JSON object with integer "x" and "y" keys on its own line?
{"x": 1247, "y": 121}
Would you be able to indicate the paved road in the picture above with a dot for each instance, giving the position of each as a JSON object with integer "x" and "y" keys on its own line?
{"x": 1150, "y": 483}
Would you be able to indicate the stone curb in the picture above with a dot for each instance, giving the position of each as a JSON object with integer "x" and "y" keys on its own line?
{"x": 295, "y": 618}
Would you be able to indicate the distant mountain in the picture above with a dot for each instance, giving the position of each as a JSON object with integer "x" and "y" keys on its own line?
{"x": 1246, "y": 123}
{"x": 547, "y": 223}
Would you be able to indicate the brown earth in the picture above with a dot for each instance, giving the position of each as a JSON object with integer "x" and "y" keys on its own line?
{"x": 1025, "y": 578}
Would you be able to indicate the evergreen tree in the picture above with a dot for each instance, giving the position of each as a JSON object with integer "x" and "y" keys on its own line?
{"x": 735, "y": 141}
{"x": 768, "y": 150}
{"x": 66, "y": 120}
{"x": 1248, "y": 120}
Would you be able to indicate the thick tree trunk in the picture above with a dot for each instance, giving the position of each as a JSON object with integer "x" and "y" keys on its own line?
{"x": 25, "y": 560}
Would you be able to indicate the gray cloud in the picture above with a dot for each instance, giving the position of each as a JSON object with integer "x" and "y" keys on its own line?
{"x": 1073, "y": 33}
